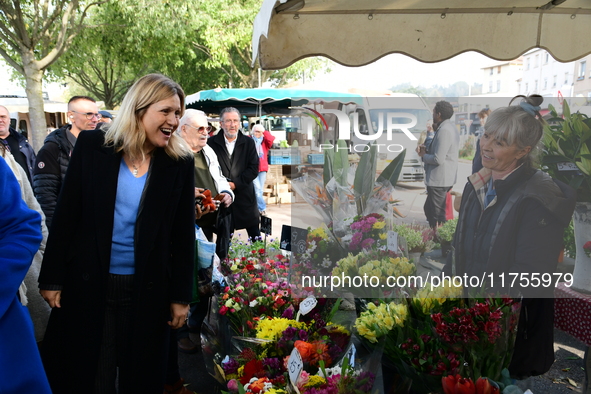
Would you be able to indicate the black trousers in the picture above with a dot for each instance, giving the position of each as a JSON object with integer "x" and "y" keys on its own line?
{"x": 435, "y": 205}
{"x": 115, "y": 356}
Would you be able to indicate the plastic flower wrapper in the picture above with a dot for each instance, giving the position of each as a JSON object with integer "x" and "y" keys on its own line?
{"x": 344, "y": 206}
{"x": 322, "y": 252}
{"x": 215, "y": 341}
{"x": 311, "y": 188}
{"x": 380, "y": 197}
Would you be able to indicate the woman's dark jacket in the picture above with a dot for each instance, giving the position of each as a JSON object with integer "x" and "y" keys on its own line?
{"x": 77, "y": 258}
{"x": 241, "y": 169}
{"x": 520, "y": 232}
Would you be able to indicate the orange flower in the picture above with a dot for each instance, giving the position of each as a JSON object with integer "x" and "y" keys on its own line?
{"x": 320, "y": 354}
{"x": 306, "y": 350}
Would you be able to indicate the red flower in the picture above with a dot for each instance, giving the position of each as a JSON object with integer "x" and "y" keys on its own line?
{"x": 262, "y": 250}
{"x": 250, "y": 267}
{"x": 465, "y": 386}
{"x": 587, "y": 245}
{"x": 483, "y": 386}
{"x": 457, "y": 385}
{"x": 223, "y": 310}
{"x": 250, "y": 370}
{"x": 449, "y": 384}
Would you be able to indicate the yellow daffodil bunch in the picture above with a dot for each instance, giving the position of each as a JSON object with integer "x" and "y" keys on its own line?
{"x": 430, "y": 298}
{"x": 378, "y": 320}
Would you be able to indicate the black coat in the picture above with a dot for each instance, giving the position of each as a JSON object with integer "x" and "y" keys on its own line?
{"x": 242, "y": 168}
{"x": 77, "y": 257}
{"x": 527, "y": 238}
{"x": 50, "y": 170}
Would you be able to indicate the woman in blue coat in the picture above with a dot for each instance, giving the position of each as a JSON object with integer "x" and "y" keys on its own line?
{"x": 21, "y": 370}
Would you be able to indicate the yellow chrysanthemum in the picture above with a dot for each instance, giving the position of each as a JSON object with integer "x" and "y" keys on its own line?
{"x": 379, "y": 225}
{"x": 273, "y": 328}
{"x": 315, "y": 381}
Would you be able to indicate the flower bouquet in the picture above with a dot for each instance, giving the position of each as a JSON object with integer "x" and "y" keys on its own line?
{"x": 483, "y": 331}
{"x": 318, "y": 342}
{"x": 368, "y": 232}
{"x": 373, "y": 274}
{"x": 256, "y": 287}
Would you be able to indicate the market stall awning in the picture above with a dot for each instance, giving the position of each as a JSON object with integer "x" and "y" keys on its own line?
{"x": 263, "y": 101}
{"x": 355, "y": 33}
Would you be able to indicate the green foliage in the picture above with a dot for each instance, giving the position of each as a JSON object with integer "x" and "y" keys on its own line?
{"x": 446, "y": 231}
{"x": 201, "y": 44}
{"x": 567, "y": 140}
{"x": 569, "y": 241}
{"x": 414, "y": 238}
{"x": 365, "y": 177}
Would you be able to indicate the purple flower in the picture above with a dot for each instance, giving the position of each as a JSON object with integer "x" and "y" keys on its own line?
{"x": 288, "y": 313}
{"x": 231, "y": 366}
{"x": 289, "y": 333}
{"x": 303, "y": 334}
{"x": 367, "y": 243}
{"x": 273, "y": 363}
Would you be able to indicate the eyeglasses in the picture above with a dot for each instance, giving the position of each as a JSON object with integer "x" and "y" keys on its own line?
{"x": 201, "y": 130}
{"x": 90, "y": 115}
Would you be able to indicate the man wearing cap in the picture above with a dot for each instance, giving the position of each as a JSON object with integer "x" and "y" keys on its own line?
{"x": 54, "y": 156}
{"x": 106, "y": 116}
{"x": 16, "y": 143}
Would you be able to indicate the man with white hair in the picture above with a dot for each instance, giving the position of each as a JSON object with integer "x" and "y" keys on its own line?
{"x": 193, "y": 128}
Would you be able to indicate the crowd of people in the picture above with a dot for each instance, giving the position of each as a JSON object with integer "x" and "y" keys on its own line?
{"x": 103, "y": 300}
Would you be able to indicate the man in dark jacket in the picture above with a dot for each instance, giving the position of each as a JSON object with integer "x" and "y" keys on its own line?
{"x": 18, "y": 145}
{"x": 239, "y": 161}
{"x": 54, "y": 156}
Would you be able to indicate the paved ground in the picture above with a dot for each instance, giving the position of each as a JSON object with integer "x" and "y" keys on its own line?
{"x": 566, "y": 375}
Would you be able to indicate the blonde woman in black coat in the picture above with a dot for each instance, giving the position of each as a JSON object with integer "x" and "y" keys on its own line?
{"x": 118, "y": 266}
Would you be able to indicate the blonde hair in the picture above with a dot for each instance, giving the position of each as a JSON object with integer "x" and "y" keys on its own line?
{"x": 126, "y": 133}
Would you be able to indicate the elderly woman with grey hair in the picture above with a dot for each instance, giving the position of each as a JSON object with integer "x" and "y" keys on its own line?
{"x": 512, "y": 220}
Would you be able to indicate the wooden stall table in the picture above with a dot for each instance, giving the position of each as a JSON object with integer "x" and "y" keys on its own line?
{"x": 572, "y": 314}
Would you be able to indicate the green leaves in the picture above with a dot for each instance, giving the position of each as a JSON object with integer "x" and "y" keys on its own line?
{"x": 392, "y": 171}
{"x": 567, "y": 140}
{"x": 365, "y": 177}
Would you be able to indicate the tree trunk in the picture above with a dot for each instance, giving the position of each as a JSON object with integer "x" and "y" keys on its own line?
{"x": 34, "y": 89}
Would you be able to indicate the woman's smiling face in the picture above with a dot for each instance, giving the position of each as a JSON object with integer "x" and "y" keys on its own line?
{"x": 160, "y": 121}
{"x": 498, "y": 156}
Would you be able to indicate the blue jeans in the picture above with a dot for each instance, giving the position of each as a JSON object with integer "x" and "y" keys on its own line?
{"x": 259, "y": 185}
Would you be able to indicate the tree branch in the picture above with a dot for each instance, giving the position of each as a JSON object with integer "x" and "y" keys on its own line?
{"x": 19, "y": 68}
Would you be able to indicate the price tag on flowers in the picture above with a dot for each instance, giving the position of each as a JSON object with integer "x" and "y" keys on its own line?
{"x": 295, "y": 365}
{"x": 307, "y": 305}
{"x": 393, "y": 241}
